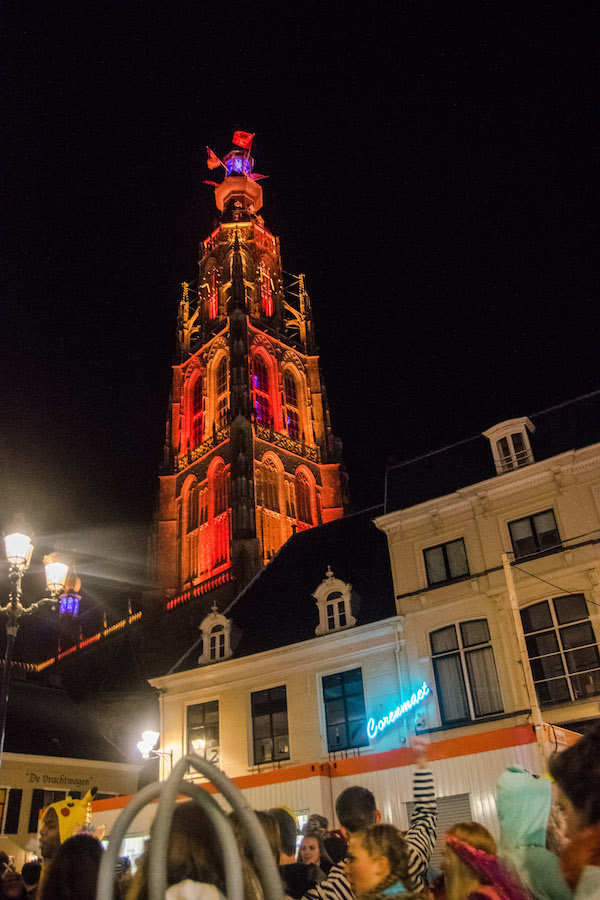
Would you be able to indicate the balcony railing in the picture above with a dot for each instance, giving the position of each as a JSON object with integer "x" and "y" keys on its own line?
{"x": 287, "y": 443}
{"x": 514, "y": 461}
{"x": 186, "y": 459}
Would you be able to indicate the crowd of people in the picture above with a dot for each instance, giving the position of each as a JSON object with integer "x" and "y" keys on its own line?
{"x": 542, "y": 854}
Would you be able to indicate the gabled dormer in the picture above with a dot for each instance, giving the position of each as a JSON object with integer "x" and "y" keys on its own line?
{"x": 216, "y": 637}
{"x": 333, "y": 598}
{"x": 510, "y": 444}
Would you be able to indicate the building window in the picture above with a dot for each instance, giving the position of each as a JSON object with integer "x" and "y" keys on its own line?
{"x": 345, "y": 715}
{"x": 270, "y": 492}
{"x": 222, "y": 394}
{"x": 11, "y": 820}
{"x": 203, "y": 730}
{"x": 465, "y": 672}
{"x": 266, "y": 290}
{"x": 196, "y": 413}
{"x": 40, "y": 799}
{"x": 513, "y": 452}
{"x": 213, "y": 295}
{"x": 192, "y": 515}
{"x": 510, "y": 445}
{"x": 534, "y": 533}
{"x": 562, "y": 649}
{"x": 270, "y": 725}
{"x": 334, "y": 602}
{"x": 292, "y": 416}
{"x": 217, "y": 643}
{"x": 262, "y": 402}
{"x": 303, "y": 499}
{"x": 446, "y": 562}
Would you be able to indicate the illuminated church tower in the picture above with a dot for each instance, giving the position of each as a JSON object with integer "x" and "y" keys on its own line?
{"x": 250, "y": 458}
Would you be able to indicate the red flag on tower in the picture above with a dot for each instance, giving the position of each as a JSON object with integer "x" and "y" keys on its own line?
{"x": 243, "y": 139}
{"x": 213, "y": 161}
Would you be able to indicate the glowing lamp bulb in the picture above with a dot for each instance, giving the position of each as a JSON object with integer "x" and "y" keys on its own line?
{"x": 146, "y": 745}
{"x": 56, "y": 574}
{"x": 18, "y": 550}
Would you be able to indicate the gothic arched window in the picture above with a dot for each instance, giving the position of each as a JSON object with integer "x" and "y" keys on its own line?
{"x": 303, "y": 499}
{"x": 221, "y": 393}
{"x": 192, "y": 512}
{"x": 270, "y": 492}
{"x": 220, "y": 490}
{"x": 213, "y": 295}
{"x": 266, "y": 290}
{"x": 219, "y": 509}
{"x": 292, "y": 417}
{"x": 196, "y": 413}
{"x": 260, "y": 379}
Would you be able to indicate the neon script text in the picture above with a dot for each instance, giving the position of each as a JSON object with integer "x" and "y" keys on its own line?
{"x": 374, "y": 728}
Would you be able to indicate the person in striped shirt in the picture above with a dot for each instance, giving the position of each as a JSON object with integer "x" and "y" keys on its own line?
{"x": 356, "y": 809}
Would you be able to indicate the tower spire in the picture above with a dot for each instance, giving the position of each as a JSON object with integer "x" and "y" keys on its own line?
{"x": 250, "y": 444}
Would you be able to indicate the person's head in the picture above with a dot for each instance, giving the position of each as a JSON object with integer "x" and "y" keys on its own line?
{"x": 576, "y": 772}
{"x": 194, "y": 853}
{"x": 74, "y": 870}
{"x": 270, "y": 827}
{"x": 377, "y": 858}
{"x": 312, "y": 850}
{"x": 459, "y": 874}
{"x": 315, "y": 824}
{"x": 336, "y": 846}
{"x": 11, "y": 884}
{"x": 356, "y": 809}
{"x": 49, "y": 834}
{"x": 288, "y": 830}
{"x": 30, "y": 873}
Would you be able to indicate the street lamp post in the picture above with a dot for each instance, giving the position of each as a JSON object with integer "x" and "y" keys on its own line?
{"x": 148, "y": 751}
{"x": 18, "y": 552}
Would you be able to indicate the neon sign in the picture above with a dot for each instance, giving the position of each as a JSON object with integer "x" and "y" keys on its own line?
{"x": 374, "y": 728}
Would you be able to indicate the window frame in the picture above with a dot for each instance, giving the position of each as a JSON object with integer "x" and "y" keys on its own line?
{"x": 343, "y": 673}
{"x": 462, "y": 650}
{"x": 274, "y": 759}
{"x": 530, "y": 518}
{"x": 556, "y": 628}
{"x": 215, "y": 753}
{"x": 451, "y": 578}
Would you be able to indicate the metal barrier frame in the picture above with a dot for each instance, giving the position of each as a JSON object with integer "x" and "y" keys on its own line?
{"x": 168, "y": 791}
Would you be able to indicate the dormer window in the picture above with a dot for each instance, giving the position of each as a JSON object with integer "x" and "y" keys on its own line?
{"x": 216, "y": 633}
{"x": 510, "y": 444}
{"x": 334, "y": 604}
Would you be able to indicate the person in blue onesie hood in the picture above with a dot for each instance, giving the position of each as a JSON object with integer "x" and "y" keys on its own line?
{"x": 523, "y": 803}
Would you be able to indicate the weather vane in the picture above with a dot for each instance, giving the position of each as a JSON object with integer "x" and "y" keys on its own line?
{"x": 235, "y": 163}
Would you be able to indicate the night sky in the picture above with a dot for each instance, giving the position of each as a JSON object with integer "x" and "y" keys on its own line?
{"x": 432, "y": 170}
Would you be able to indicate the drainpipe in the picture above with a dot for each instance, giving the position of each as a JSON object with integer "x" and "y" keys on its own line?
{"x": 536, "y": 713}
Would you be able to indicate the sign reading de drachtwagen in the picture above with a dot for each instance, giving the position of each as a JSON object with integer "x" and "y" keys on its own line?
{"x": 375, "y": 728}
{"x": 61, "y": 781}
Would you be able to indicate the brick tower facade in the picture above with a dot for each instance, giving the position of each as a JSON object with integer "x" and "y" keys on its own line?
{"x": 249, "y": 456}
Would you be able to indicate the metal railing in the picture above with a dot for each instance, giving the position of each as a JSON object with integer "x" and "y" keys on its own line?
{"x": 167, "y": 792}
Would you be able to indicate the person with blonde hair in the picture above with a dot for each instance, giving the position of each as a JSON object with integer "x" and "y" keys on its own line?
{"x": 378, "y": 862}
{"x": 472, "y": 869}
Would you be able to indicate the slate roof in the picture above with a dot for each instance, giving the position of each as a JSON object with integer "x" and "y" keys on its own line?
{"x": 278, "y": 609}
{"x": 567, "y": 426}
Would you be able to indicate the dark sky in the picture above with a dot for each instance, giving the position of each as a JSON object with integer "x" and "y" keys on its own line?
{"x": 432, "y": 170}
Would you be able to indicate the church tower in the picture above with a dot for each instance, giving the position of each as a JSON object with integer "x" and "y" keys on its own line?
{"x": 249, "y": 456}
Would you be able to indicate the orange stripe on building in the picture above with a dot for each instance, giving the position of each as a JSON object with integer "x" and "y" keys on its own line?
{"x": 483, "y": 742}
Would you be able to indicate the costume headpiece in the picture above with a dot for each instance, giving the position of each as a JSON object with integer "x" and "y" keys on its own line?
{"x": 490, "y": 868}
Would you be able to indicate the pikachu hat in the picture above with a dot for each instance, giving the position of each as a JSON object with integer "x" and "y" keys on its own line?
{"x": 72, "y": 814}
